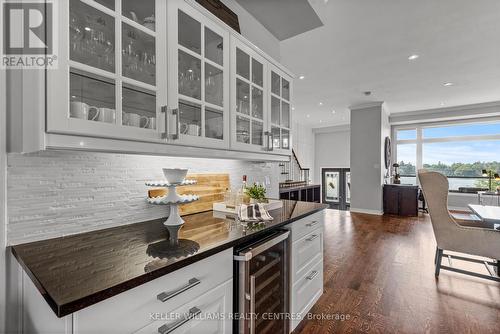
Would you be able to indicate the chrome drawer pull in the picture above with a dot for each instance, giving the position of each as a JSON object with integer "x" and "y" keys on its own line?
{"x": 313, "y": 274}
{"x": 313, "y": 223}
{"x": 312, "y": 237}
{"x": 165, "y": 329}
{"x": 164, "y": 296}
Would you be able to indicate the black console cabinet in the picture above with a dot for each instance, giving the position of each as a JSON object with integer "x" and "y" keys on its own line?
{"x": 401, "y": 200}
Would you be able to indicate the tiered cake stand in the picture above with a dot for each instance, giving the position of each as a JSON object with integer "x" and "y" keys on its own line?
{"x": 173, "y": 200}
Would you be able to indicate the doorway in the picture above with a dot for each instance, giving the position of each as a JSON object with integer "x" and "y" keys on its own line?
{"x": 336, "y": 186}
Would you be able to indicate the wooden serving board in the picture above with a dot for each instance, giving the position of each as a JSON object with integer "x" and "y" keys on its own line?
{"x": 210, "y": 188}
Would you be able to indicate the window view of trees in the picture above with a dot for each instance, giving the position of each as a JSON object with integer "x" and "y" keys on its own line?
{"x": 459, "y": 151}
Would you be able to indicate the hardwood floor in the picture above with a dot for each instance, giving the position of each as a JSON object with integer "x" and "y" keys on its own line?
{"x": 379, "y": 272}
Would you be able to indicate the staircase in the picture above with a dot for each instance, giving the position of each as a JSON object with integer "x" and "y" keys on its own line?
{"x": 292, "y": 173}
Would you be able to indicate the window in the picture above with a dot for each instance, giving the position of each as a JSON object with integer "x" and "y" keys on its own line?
{"x": 459, "y": 151}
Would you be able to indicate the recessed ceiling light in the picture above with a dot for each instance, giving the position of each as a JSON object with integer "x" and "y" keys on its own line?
{"x": 442, "y": 103}
{"x": 320, "y": 104}
{"x": 333, "y": 111}
{"x": 413, "y": 57}
{"x": 308, "y": 115}
{"x": 321, "y": 121}
{"x": 293, "y": 108}
{"x": 448, "y": 84}
{"x": 302, "y": 77}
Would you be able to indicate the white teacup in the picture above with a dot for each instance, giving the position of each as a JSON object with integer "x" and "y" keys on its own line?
{"x": 133, "y": 119}
{"x": 79, "y": 110}
{"x": 149, "y": 122}
{"x": 106, "y": 115}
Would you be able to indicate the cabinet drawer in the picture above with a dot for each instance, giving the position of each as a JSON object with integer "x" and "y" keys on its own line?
{"x": 131, "y": 310}
{"x": 305, "y": 252}
{"x": 306, "y": 291}
{"x": 210, "y": 315}
{"x": 306, "y": 225}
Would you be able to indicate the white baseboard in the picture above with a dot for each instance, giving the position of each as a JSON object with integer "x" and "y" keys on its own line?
{"x": 368, "y": 211}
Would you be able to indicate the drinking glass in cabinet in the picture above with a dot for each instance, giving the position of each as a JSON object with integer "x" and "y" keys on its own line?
{"x": 275, "y": 110}
{"x": 243, "y": 130}
{"x": 189, "y": 118}
{"x": 257, "y": 103}
{"x": 214, "y": 123}
{"x": 275, "y": 84}
{"x": 285, "y": 114}
{"x": 257, "y": 73}
{"x": 189, "y": 32}
{"x": 242, "y": 64}
{"x": 257, "y": 133}
{"x": 285, "y": 89}
{"x": 214, "y": 47}
{"x": 242, "y": 97}
{"x": 92, "y": 36}
{"x": 275, "y": 132}
{"x": 139, "y": 108}
{"x": 189, "y": 75}
{"x": 139, "y": 55}
{"x": 213, "y": 85}
{"x": 92, "y": 97}
{"x": 285, "y": 139}
{"x": 142, "y": 12}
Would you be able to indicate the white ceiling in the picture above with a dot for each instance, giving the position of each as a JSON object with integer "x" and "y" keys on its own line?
{"x": 283, "y": 18}
{"x": 364, "y": 45}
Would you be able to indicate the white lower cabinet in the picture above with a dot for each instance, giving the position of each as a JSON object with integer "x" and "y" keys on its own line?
{"x": 306, "y": 271}
{"x": 208, "y": 314}
{"x": 149, "y": 306}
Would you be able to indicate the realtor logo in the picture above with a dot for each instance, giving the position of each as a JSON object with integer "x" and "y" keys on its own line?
{"x": 28, "y": 34}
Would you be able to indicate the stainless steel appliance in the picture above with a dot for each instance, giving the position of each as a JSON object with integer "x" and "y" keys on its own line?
{"x": 262, "y": 303}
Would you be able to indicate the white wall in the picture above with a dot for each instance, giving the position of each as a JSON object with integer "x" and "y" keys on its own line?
{"x": 303, "y": 143}
{"x": 3, "y": 207}
{"x": 332, "y": 149}
{"x": 367, "y": 130}
{"x": 254, "y": 31}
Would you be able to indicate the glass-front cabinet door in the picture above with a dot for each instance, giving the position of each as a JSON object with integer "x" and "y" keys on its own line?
{"x": 108, "y": 83}
{"x": 248, "y": 92}
{"x": 281, "y": 110}
{"x": 199, "y": 79}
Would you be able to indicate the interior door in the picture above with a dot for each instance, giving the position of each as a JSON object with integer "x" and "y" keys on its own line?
{"x": 336, "y": 185}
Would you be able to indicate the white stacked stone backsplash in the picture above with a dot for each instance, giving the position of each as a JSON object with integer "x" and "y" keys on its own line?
{"x": 57, "y": 193}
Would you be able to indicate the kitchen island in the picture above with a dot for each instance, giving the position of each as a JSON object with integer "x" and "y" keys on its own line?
{"x": 79, "y": 273}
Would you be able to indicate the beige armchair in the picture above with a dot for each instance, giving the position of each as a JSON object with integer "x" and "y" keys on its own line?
{"x": 451, "y": 236}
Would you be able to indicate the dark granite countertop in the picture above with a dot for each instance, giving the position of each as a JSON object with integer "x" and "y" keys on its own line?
{"x": 77, "y": 271}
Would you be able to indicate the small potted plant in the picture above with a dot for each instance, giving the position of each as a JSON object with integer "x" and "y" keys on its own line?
{"x": 256, "y": 192}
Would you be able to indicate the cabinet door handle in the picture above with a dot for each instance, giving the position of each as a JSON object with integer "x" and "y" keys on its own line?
{"x": 165, "y": 329}
{"x": 176, "y": 113}
{"x": 313, "y": 223}
{"x": 312, "y": 275}
{"x": 269, "y": 145}
{"x": 164, "y": 296}
{"x": 312, "y": 237}
{"x": 252, "y": 304}
{"x": 166, "y": 133}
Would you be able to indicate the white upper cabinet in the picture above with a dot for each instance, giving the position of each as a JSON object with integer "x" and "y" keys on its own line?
{"x": 199, "y": 78}
{"x": 108, "y": 83}
{"x": 249, "y": 112}
{"x": 154, "y": 76}
{"x": 280, "y": 107}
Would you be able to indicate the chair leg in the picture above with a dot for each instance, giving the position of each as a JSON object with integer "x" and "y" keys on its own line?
{"x": 436, "y": 256}
{"x": 439, "y": 256}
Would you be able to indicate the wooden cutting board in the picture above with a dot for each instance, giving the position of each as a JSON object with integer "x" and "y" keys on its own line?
{"x": 210, "y": 188}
